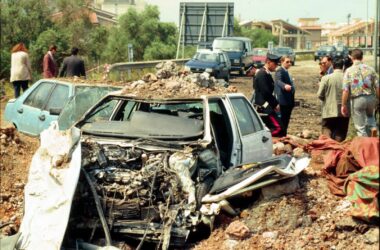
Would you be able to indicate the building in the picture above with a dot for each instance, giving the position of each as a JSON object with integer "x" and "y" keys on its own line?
{"x": 360, "y": 33}
{"x": 119, "y": 7}
{"x": 288, "y": 34}
{"x": 311, "y": 25}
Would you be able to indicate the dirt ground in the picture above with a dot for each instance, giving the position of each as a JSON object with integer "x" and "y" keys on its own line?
{"x": 310, "y": 218}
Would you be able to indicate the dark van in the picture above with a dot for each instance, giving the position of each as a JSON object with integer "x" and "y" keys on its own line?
{"x": 239, "y": 51}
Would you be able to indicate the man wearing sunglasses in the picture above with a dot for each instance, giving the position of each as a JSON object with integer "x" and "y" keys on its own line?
{"x": 326, "y": 66}
{"x": 284, "y": 89}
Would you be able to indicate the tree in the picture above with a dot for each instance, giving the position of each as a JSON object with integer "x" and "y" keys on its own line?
{"x": 259, "y": 37}
{"x": 145, "y": 32}
{"x": 40, "y": 47}
{"x": 21, "y": 21}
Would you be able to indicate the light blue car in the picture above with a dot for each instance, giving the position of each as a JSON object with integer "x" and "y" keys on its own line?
{"x": 42, "y": 103}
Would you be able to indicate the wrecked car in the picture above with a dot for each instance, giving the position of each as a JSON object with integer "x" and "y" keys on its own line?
{"x": 43, "y": 102}
{"x": 148, "y": 169}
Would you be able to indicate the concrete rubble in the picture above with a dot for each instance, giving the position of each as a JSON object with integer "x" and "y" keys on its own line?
{"x": 170, "y": 82}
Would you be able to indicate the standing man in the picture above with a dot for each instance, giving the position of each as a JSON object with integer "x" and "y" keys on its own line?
{"x": 73, "y": 65}
{"x": 334, "y": 125}
{"x": 361, "y": 85}
{"x": 50, "y": 69}
{"x": 326, "y": 66}
{"x": 264, "y": 98}
{"x": 284, "y": 90}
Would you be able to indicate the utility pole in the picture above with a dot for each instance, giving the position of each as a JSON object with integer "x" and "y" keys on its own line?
{"x": 376, "y": 37}
{"x": 348, "y": 23}
{"x": 366, "y": 29}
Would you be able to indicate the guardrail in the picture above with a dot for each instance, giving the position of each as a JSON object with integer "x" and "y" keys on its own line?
{"x": 128, "y": 66}
{"x": 143, "y": 65}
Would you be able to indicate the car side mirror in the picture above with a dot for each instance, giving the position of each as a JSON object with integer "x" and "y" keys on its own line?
{"x": 55, "y": 111}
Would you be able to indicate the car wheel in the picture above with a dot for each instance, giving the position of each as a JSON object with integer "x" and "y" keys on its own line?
{"x": 227, "y": 78}
{"x": 202, "y": 189}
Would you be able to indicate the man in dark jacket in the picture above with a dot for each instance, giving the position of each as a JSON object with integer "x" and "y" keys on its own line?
{"x": 284, "y": 90}
{"x": 72, "y": 65}
{"x": 264, "y": 98}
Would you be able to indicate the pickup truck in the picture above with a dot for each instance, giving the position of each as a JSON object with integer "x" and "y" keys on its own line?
{"x": 239, "y": 51}
{"x": 150, "y": 169}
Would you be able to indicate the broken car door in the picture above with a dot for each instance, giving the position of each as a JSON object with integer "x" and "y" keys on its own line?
{"x": 256, "y": 140}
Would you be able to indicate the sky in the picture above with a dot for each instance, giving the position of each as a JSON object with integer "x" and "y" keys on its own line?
{"x": 288, "y": 10}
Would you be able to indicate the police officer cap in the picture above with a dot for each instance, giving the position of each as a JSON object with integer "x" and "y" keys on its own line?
{"x": 273, "y": 57}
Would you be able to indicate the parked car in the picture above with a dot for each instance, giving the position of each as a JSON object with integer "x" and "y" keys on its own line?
{"x": 259, "y": 56}
{"x": 42, "y": 103}
{"x": 216, "y": 63}
{"x": 239, "y": 51}
{"x": 342, "y": 52}
{"x": 151, "y": 169}
{"x": 285, "y": 51}
{"x": 325, "y": 50}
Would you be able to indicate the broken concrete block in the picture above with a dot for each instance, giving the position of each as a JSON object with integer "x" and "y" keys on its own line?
{"x": 279, "y": 189}
{"x": 237, "y": 230}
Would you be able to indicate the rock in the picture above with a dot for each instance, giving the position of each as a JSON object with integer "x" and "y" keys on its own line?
{"x": 298, "y": 152}
{"x": 288, "y": 148}
{"x": 278, "y": 189}
{"x": 174, "y": 85}
{"x": 372, "y": 236}
{"x": 270, "y": 235}
{"x": 150, "y": 77}
{"x": 341, "y": 236}
{"x": 5, "y": 196}
{"x": 230, "y": 243}
{"x": 346, "y": 224}
{"x": 307, "y": 134}
{"x": 237, "y": 230}
{"x": 278, "y": 148}
{"x": 244, "y": 213}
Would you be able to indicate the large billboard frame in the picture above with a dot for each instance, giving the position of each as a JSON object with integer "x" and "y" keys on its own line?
{"x": 203, "y": 22}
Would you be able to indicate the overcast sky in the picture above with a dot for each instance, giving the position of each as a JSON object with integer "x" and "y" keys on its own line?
{"x": 291, "y": 10}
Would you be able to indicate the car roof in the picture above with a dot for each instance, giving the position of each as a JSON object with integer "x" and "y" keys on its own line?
{"x": 82, "y": 82}
{"x": 240, "y": 38}
{"x": 175, "y": 98}
{"x": 207, "y": 51}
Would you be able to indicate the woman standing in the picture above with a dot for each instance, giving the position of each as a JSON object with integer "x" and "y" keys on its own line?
{"x": 21, "y": 72}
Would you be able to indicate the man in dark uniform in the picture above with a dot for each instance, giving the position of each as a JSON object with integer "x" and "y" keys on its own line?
{"x": 264, "y": 98}
{"x": 72, "y": 65}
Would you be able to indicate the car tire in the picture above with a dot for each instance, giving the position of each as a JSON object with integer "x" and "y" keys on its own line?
{"x": 227, "y": 78}
{"x": 202, "y": 189}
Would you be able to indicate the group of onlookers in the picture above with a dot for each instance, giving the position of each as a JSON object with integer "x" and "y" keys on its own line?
{"x": 21, "y": 71}
{"x": 349, "y": 90}
{"x": 345, "y": 85}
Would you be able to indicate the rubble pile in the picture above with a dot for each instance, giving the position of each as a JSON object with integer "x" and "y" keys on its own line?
{"x": 310, "y": 218}
{"x": 169, "y": 82}
{"x": 8, "y": 136}
{"x": 16, "y": 153}
{"x": 293, "y": 145}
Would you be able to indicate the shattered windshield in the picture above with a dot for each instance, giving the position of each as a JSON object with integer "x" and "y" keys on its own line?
{"x": 86, "y": 96}
{"x": 141, "y": 119}
{"x": 228, "y": 45}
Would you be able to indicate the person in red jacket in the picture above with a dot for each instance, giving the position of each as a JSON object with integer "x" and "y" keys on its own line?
{"x": 50, "y": 68}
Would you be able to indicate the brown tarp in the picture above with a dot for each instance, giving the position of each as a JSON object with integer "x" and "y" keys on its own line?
{"x": 345, "y": 158}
